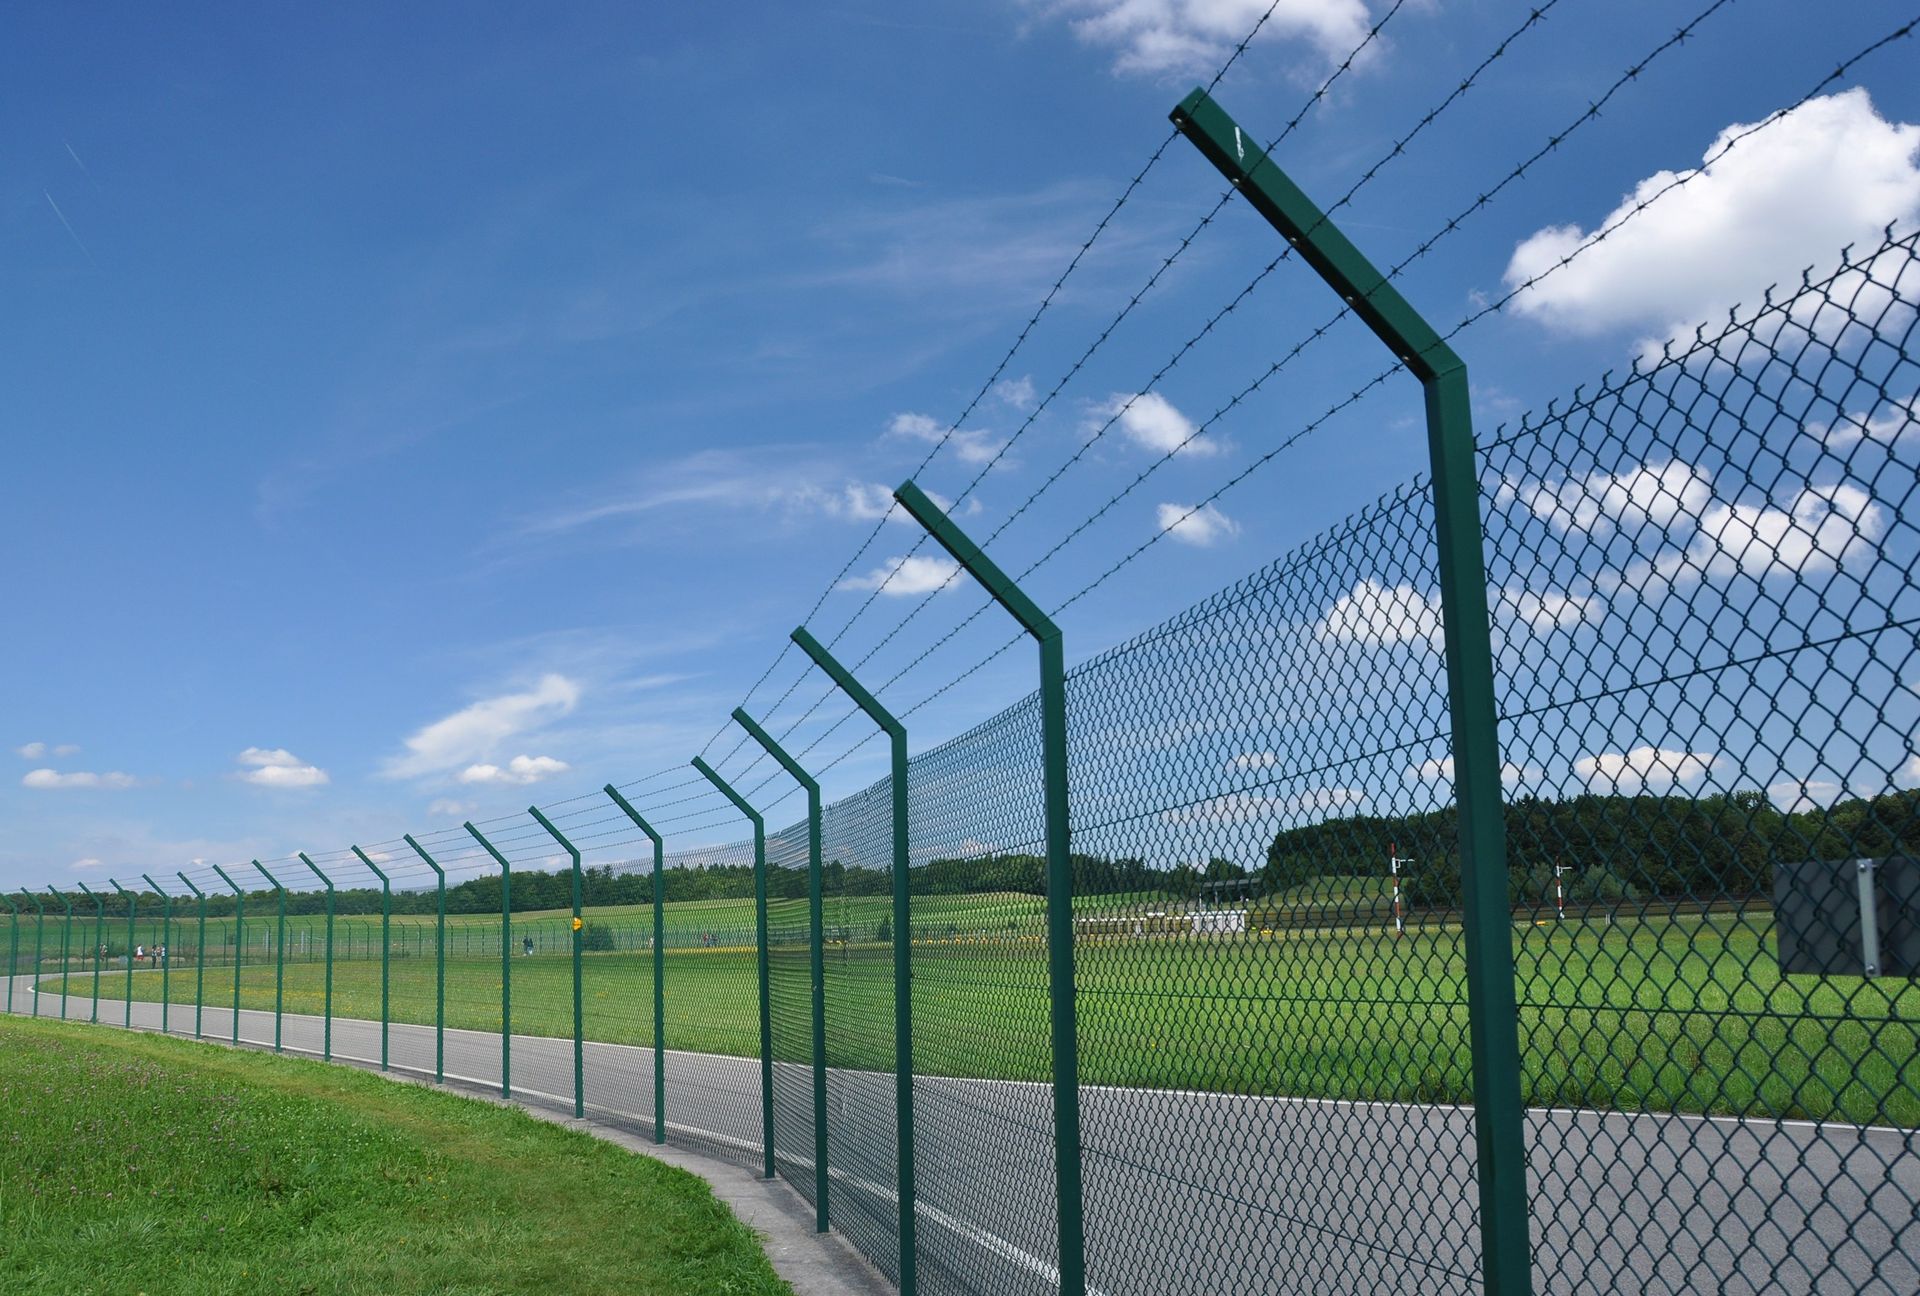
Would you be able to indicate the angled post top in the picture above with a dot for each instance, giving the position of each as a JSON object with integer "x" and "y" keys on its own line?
{"x": 370, "y": 864}
{"x": 555, "y": 833}
{"x": 274, "y": 881}
{"x": 970, "y": 556}
{"x": 1317, "y": 239}
{"x": 775, "y": 750}
{"x": 843, "y": 677}
{"x": 190, "y": 886}
{"x": 626, "y": 806}
{"x": 421, "y": 851}
{"x": 726, "y": 790}
{"x": 324, "y": 879}
{"x": 481, "y": 838}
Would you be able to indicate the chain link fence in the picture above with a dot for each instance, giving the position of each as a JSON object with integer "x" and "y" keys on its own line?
{"x": 1702, "y": 581}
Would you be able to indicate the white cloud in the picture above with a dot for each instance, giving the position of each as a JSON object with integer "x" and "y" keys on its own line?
{"x": 451, "y": 808}
{"x": 1150, "y": 421}
{"x": 519, "y": 771}
{"x": 917, "y": 574}
{"x": 81, "y": 865}
{"x": 47, "y": 779}
{"x": 1201, "y": 527}
{"x": 1644, "y": 768}
{"x": 971, "y": 446}
{"x": 1381, "y": 616}
{"x": 1545, "y": 612}
{"x": 474, "y": 732}
{"x": 279, "y": 768}
{"x": 1797, "y": 798}
{"x": 1016, "y": 392}
{"x": 870, "y": 501}
{"x": 1832, "y": 173}
{"x": 1244, "y": 807}
{"x": 1164, "y": 38}
{"x": 1440, "y": 770}
{"x": 1653, "y": 494}
{"x": 31, "y": 751}
{"x": 67, "y": 749}
{"x": 1827, "y": 526}
{"x": 1255, "y": 760}
{"x": 1885, "y": 425}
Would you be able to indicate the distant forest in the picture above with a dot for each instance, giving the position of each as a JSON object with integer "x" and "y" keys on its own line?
{"x": 1612, "y": 847}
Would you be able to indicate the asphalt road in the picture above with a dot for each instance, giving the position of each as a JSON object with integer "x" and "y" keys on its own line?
{"x": 1212, "y": 1193}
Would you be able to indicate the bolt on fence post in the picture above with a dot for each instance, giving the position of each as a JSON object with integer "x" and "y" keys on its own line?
{"x": 199, "y": 955}
{"x": 386, "y": 945}
{"x": 579, "y": 1026}
{"x": 902, "y": 950}
{"x": 127, "y": 1021}
{"x": 1487, "y": 922}
{"x": 659, "y": 965}
{"x": 279, "y": 953}
{"x": 439, "y": 963}
{"x": 816, "y": 958}
{"x": 760, "y": 921}
{"x": 13, "y": 949}
{"x": 1060, "y": 955}
{"x": 99, "y": 942}
{"x": 66, "y": 946}
{"x": 506, "y": 963}
{"x": 165, "y": 953}
{"x": 326, "y": 1047}
{"x": 239, "y": 945}
{"x": 39, "y": 921}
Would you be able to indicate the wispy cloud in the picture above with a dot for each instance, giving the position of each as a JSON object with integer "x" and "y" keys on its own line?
{"x": 56, "y": 780}
{"x": 71, "y": 233}
{"x": 475, "y": 732}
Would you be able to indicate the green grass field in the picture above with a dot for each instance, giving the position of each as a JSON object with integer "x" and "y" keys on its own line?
{"x": 135, "y": 1164}
{"x": 1686, "y": 1013}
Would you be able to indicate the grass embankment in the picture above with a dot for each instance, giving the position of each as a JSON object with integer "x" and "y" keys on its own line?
{"x": 132, "y": 1163}
{"x": 1667, "y": 1014}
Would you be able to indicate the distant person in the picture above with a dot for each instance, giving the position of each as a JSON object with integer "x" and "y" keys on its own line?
{"x": 139, "y": 952}
{"x": 527, "y": 945}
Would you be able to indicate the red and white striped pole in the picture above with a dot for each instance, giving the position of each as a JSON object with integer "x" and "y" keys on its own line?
{"x": 1393, "y": 867}
{"x": 1559, "y": 894}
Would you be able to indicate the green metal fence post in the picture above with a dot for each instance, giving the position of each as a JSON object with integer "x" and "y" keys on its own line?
{"x": 1060, "y": 969}
{"x": 165, "y": 952}
{"x": 326, "y": 1046}
{"x": 760, "y": 920}
{"x": 239, "y": 929}
{"x": 902, "y": 950}
{"x": 127, "y": 1021}
{"x": 1487, "y": 922}
{"x": 816, "y": 958}
{"x": 439, "y": 963}
{"x": 506, "y": 963}
{"x": 279, "y": 953}
{"x": 13, "y": 949}
{"x": 659, "y": 965}
{"x": 39, "y": 922}
{"x": 199, "y": 955}
{"x": 99, "y": 942}
{"x": 386, "y": 946}
{"x": 579, "y": 942}
{"x": 66, "y": 947}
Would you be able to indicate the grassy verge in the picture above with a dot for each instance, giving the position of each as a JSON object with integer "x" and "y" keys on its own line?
{"x": 131, "y": 1164}
{"x": 1686, "y": 1013}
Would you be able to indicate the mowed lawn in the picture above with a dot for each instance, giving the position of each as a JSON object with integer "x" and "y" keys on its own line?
{"x": 1680, "y": 1014}
{"x": 132, "y": 1163}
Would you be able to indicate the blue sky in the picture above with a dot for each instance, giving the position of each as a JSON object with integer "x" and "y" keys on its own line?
{"x": 416, "y": 411}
